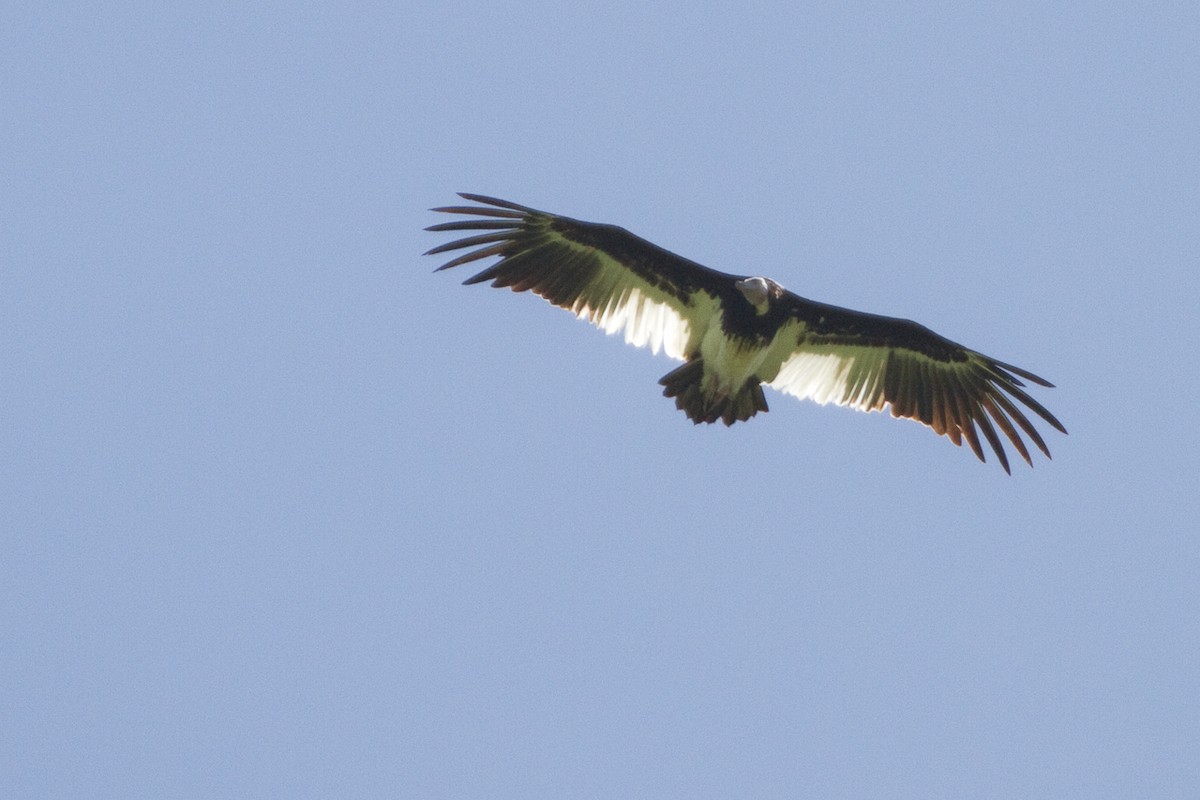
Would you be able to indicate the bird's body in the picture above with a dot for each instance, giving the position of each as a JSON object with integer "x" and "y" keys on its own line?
{"x": 736, "y": 333}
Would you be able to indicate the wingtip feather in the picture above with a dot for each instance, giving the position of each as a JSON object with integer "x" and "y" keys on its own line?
{"x": 495, "y": 201}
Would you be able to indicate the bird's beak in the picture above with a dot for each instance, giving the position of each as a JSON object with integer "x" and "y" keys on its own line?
{"x": 753, "y": 291}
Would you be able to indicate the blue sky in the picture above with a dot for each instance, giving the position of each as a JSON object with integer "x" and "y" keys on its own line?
{"x": 286, "y": 514}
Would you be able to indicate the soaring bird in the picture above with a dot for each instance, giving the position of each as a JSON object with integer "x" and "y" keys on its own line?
{"x": 735, "y": 333}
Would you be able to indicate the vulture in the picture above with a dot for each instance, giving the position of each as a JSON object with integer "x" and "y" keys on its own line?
{"x": 737, "y": 333}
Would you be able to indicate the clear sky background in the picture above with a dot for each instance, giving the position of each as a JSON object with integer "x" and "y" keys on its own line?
{"x": 285, "y": 514}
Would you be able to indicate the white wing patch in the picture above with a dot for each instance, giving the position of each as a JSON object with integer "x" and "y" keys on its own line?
{"x": 616, "y": 300}
{"x": 845, "y": 376}
{"x": 645, "y": 319}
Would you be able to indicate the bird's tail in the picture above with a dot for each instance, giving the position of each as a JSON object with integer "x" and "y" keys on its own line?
{"x": 685, "y": 384}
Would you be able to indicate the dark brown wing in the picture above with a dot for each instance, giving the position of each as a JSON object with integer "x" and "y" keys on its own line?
{"x": 871, "y": 362}
{"x": 601, "y": 273}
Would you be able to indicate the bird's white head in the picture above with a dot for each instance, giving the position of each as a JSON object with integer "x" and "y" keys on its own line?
{"x": 757, "y": 292}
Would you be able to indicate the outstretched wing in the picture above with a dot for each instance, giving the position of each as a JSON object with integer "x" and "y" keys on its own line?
{"x": 601, "y": 273}
{"x": 870, "y": 363}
